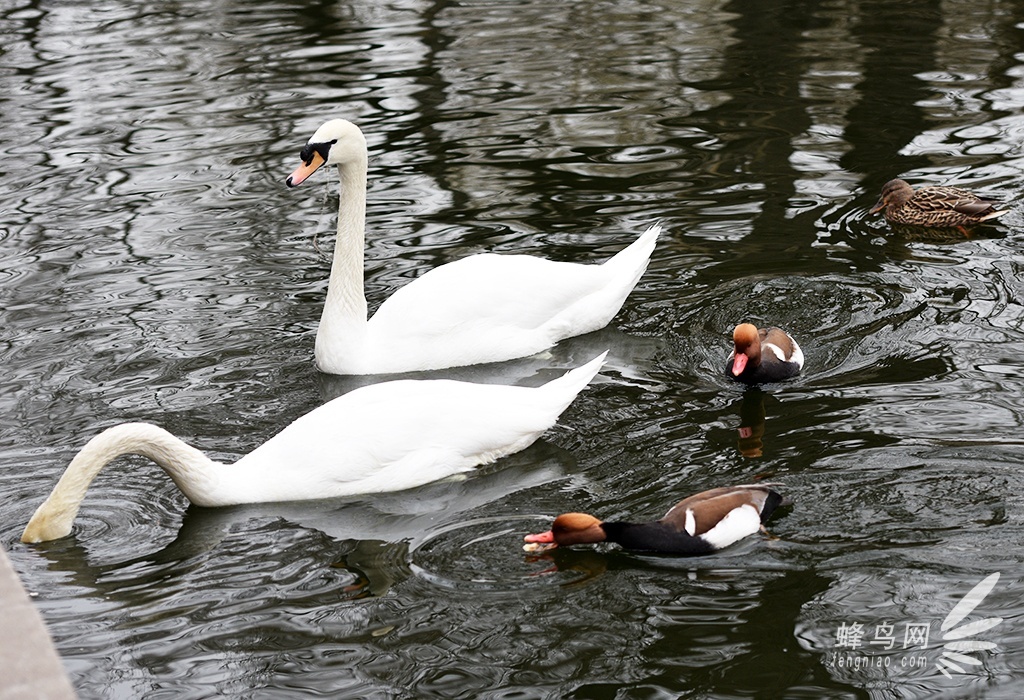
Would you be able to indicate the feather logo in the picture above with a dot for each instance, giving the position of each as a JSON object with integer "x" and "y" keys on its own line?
{"x": 955, "y": 645}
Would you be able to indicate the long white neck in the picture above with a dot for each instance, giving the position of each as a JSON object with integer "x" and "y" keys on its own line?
{"x": 198, "y": 476}
{"x": 341, "y": 336}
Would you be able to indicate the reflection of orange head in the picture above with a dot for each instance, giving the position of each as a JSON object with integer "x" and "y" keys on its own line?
{"x": 752, "y": 424}
{"x": 749, "y": 442}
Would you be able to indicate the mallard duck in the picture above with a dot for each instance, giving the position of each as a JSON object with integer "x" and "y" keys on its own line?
{"x": 701, "y": 524}
{"x": 763, "y": 355}
{"x": 936, "y": 207}
{"x": 482, "y": 308}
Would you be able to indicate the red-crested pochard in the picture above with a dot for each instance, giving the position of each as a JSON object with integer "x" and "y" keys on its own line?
{"x": 700, "y": 524}
{"x": 763, "y": 355}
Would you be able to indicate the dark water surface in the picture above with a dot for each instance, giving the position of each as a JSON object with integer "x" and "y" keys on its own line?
{"x": 154, "y": 267}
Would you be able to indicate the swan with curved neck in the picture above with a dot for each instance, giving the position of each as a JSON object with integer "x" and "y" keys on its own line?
{"x": 378, "y": 438}
{"x": 483, "y": 308}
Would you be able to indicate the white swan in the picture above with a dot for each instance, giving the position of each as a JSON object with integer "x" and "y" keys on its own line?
{"x": 484, "y": 308}
{"x": 383, "y": 437}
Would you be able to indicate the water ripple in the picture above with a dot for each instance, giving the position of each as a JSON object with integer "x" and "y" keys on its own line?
{"x": 154, "y": 267}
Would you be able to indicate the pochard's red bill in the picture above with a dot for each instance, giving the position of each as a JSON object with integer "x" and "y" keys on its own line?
{"x": 537, "y": 547}
{"x": 739, "y": 363}
{"x": 540, "y": 542}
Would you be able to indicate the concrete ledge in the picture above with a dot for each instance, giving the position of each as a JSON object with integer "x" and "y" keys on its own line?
{"x": 30, "y": 668}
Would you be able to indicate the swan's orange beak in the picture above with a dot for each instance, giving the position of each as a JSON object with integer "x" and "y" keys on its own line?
{"x": 305, "y": 170}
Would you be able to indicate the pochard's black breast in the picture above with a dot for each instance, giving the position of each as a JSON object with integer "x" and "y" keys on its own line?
{"x": 655, "y": 537}
{"x": 771, "y": 369}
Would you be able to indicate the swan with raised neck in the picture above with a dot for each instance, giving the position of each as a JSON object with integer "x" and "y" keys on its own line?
{"x": 482, "y": 308}
{"x": 383, "y": 437}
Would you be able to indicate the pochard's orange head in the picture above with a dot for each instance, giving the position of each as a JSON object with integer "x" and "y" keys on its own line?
{"x": 747, "y": 341}
{"x": 568, "y": 529}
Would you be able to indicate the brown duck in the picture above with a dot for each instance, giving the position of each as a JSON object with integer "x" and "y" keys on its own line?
{"x": 935, "y": 207}
{"x": 700, "y": 524}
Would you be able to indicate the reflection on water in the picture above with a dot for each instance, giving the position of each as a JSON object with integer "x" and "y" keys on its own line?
{"x": 153, "y": 267}
{"x": 752, "y": 419}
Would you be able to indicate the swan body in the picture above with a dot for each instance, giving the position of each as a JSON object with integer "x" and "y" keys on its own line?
{"x": 483, "y": 308}
{"x": 383, "y": 437}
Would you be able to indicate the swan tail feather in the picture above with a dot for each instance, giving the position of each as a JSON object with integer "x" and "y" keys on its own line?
{"x": 635, "y": 257}
{"x": 565, "y": 389}
{"x": 619, "y": 275}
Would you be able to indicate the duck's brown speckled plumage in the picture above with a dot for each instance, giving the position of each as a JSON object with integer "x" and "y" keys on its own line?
{"x": 936, "y": 207}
